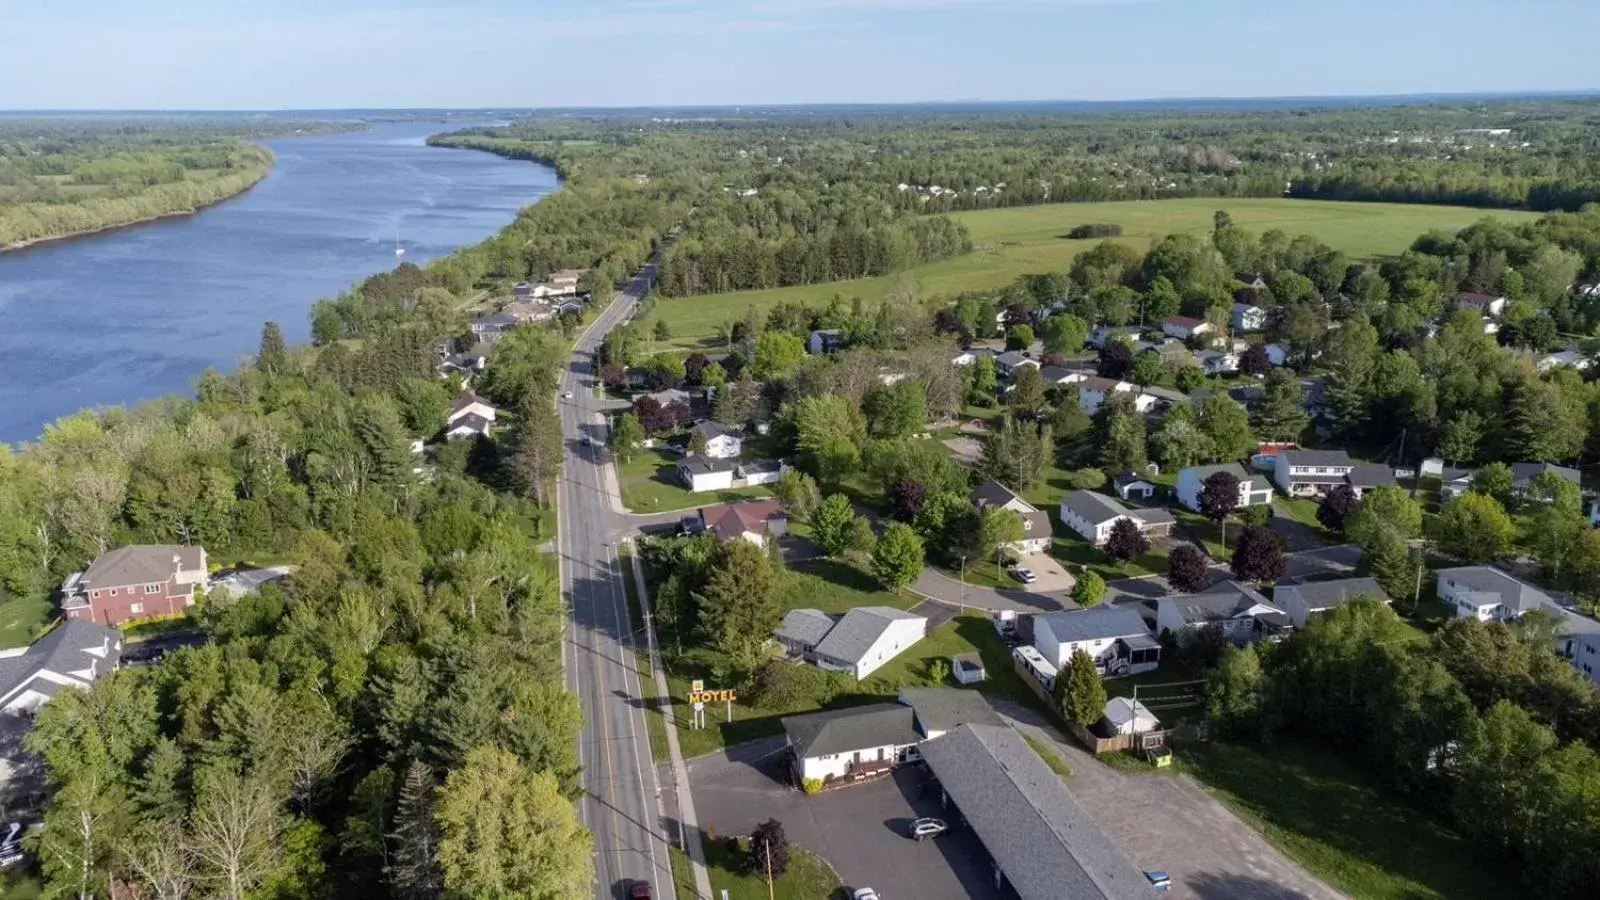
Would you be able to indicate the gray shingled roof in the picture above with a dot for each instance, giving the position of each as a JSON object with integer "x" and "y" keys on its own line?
{"x": 1256, "y": 482}
{"x": 850, "y": 729}
{"x": 1093, "y": 507}
{"x": 805, "y": 626}
{"x": 64, "y": 649}
{"x": 711, "y": 430}
{"x": 1523, "y": 472}
{"x": 1012, "y": 358}
{"x": 700, "y": 465}
{"x": 139, "y": 564}
{"x": 1327, "y": 594}
{"x": 942, "y": 709}
{"x": 1229, "y": 600}
{"x": 1099, "y": 623}
{"x": 991, "y": 493}
{"x": 1315, "y": 458}
{"x": 1370, "y": 476}
{"x": 1514, "y": 594}
{"x": 1041, "y": 838}
{"x": 857, "y": 631}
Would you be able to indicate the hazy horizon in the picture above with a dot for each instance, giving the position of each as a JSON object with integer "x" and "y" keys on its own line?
{"x": 227, "y": 55}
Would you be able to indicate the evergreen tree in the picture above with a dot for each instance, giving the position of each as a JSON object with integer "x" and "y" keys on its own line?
{"x": 535, "y": 460}
{"x": 1026, "y": 397}
{"x": 1079, "y": 694}
{"x": 830, "y": 524}
{"x": 413, "y": 869}
{"x": 1120, "y": 435}
{"x": 1016, "y": 454}
{"x": 627, "y": 436}
{"x": 739, "y": 603}
{"x": 273, "y": 356}
{"x": 1281, "y": 415}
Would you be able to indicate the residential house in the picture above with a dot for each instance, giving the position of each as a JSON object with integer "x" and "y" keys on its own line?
{"x": 1590, "y": 288}
{"x": 1093, "y": 391}
{"x": 1100, "y": 337}
{"x": 1254, "y": 490}
{"x": 1488, "y": 594}
{"x": 1093, "y": 515}
{"x": 1485, "y": 304}
{"x": 1571, "y": 356}
{"x": 1185, "y": 327}
{"x": 1310, "y": 473}
{"x": 1234, "y": 611}
{"x": 492, "y": 327}
{"x": 760, "y": 471}
{"x": 969, "y": 355}
{"x": 1217, "y": 362}
{"x": 569, "y": 307}
{"x": 1364, "y": 478}
{"x": 860, "y": 740}
{"x": 562, "y": 283}
{"x": 802, "y": 630}
{"x": 1127, "y": 716}
{"x": 756, "y": 521}
{"x": 1248, "y": 317}
{"x": 702, "y": 473}
{"x": 825, "y": 340}
{"x": 1039, "y": 839}
{"x": 1036, "y": 529}
{"x": 529, "y": 312}
{"x": 1056, "y": 376}
{"x": 1159, "y": 397}
{"x": 136, "y": 582}
{"x": 1251, "y": 280}
{"x": 1115, "y": 637}
{"x": 72, "y": 655}
{"x": 467, "y": 363}
{"x": 469, "y": 417}
{"x": 1007, "y": 363}
{"x": 1303, "y": 599}
{"x": 722, "y": 441}
{"x": 1130, "y": 486}
{"x": 866, "y": 638}
{"x": 1455, "y": 482}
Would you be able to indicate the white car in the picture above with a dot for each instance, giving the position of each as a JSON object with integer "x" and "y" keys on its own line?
{"x": 11, "y": 845}
{"x": 865, "y": 894}
{"x": 567, "y": 396}
{"x": 1025, "y": 576}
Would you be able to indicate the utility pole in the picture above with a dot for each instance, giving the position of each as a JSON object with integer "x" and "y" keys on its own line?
{"x": 768, "y": 845}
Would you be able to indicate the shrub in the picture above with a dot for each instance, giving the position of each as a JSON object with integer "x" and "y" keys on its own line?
{"x": 1094, "y": 230}
{"x": 811, "y": 785}
{"x": 780, "y": 684}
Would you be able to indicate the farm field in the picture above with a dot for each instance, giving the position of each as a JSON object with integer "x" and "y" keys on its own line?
{"x": 1032, "y": 239}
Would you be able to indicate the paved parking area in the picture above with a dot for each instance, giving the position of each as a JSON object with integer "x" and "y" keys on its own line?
{"x": 1049, "y": 574}
{"x": 860, "y": 830}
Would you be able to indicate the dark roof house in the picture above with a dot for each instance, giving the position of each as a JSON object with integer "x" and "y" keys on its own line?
{"x": 850, "y": 729}
{"x": 72, "y": 655}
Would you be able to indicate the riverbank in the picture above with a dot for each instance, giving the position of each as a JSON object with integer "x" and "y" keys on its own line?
{"x": 53, "y": 222}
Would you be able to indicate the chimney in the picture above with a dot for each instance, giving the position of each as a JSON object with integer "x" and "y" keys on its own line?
{"x": 177, "y": 563}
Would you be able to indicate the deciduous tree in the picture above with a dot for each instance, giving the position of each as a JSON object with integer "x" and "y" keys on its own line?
{"x": 1475, "y": 528}
{"x": 1257, "y": 556}
{"x": 1188, "y": 570}
{"x": 1126, "y": 541}
{"x": 1089, "y": 590}
{"x": 897, "y": 559}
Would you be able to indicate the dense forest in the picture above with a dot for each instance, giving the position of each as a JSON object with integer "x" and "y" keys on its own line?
{"x": 67, "y": 176}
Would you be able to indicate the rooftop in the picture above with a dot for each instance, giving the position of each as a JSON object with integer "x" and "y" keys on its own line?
{"x": 141, "y": 564}
{"x": 1100, "y": 623}
{"x": 941, "y": 709}
{"x": 1045, "y": 843}
{"x": 1328, "y": 458}
{"x": 805, "y": 626}
{"x": 1327, "y": 594}
{"x": 1370, "y": 476}
{"x": 730, "y": 520}
{"x": 854, "y": 634}
{"x": 853, "y": 728}
{"x": 1093, "y": 507}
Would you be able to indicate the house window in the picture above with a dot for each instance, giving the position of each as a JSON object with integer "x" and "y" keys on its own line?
{"x": 113, "y": 592}
{"x": 95, "y": 595}
{"x": 136, "y": 608}
{"x": 1322, "y": 470}
{"x": 152, "y": 588}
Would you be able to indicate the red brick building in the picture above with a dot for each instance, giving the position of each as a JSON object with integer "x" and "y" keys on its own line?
{"x": 135, "y": 582}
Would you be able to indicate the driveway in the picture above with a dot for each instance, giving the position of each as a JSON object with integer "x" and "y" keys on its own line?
{"x": 247, "y": 581}
{"x": 945, "y": 589}
{"x": 1169, "y": 822}
{"x": 1297, "y": 536}
{"x": 860, "y": 829}
{"x": 1341, "y": 560}
{"x": 1051, "y": 577}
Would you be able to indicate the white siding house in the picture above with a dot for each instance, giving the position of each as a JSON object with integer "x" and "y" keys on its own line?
{"x": 1488, "y": 594}
{"x": 1248, "y": 317}
{"x": 1185, "y": 327}
{"x": 1307, "y": 473}
{"x": 700, "y": 474}
{"x": 1115, "y": 637}
{"x": 1093, "y": 516}
{"x": 1036, "y": 528}
{"x": 866, "y": 638}
{"x": 722, "y": 441}
{"x": 1254, "y": 490}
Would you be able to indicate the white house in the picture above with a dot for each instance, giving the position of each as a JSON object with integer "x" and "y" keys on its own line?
{"x": 866, "y": 638}
{"x": 1364, "y": 478}
{"x": 1248, "y": 317}
{"x": 1093, "y": 391}
{"x": 1254, "y": 490}
{"x": 825, "y": 340}
{"x": 1301, "y": 600}
{"x": 1185, "y": 327}
{"x": 1455, "y": 482}
{"x": 1036, "y": 530}
{"x": 1308, "y": 473}
{"x": 72, "y": 655}
{"x": 760, "y": 471}
{"x": 700, "y": 473}
{"x": 1217, "y": 362}
{"x": 1488, "y": 594}
{"x": 1569, "y": 357}
{"x": 1100, "y": 337}
{"x": 1007, "y": 363}
{"x": 1237, "y": 612}
{"x": 1093, "y": 516}
{"x": 939, "y": 710}
{"x": 1115, "y": 637}
{"x": 1130, "y": 717}
{"x": 722, "y": 441}
{"x": 1130, "y": 486}
{"x": 1487, "y": 304}
{"x": 470, "y": 416}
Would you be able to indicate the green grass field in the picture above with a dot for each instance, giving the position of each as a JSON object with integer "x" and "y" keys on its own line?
{"x": 808, "y": 878}
{"x": 1343, "y": 826}
{"x": 649, "y": 484}
{"x": 1032, "y": 239}
{"x": 21, "y": 619}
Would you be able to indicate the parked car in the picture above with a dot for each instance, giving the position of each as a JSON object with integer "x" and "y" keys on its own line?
{"x": 640, "y": 891}
{"x": 1025, "y": 576}
{"x": 11, "y": 845}
{"x": 865, "y": 894}
{"x": 1159, "y": 880}
{"x": 567, "y": 395}
{"x": 922, "y": 829}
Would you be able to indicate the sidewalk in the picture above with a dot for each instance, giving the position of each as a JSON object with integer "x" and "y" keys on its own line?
{"x": 682, "y": 810}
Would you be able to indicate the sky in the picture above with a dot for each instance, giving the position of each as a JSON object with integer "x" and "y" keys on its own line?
{"x": 328, "y": 54}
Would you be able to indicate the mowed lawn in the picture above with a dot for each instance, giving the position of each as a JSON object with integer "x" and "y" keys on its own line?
{"x": 1032, "y": 239}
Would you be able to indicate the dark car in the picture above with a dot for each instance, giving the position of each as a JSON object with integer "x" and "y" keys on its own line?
{"x": 640, "y": 891}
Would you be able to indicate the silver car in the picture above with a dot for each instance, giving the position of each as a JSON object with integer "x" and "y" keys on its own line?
{"x": 922, "y": 829}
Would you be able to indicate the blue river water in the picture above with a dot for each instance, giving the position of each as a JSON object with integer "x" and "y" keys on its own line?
{"x": 140, "y": 312}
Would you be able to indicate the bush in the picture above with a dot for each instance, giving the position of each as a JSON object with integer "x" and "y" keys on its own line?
{"x": 780, "y": 684}
{"x": 1258, "y": 515}
{"x": 1094, "y": 230}
{"x": 811, "y": 785}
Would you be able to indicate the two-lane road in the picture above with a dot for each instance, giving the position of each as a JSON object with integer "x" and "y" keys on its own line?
{"x": 622, "y": 800}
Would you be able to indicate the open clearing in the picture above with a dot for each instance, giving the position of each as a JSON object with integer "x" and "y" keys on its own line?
{"x": 1032, "y": 239}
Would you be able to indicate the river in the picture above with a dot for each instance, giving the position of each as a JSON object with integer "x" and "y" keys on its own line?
{"x": 139, "y": 312}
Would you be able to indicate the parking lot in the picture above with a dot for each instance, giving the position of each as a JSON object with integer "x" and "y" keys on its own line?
{"x": 860, "y": 829}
